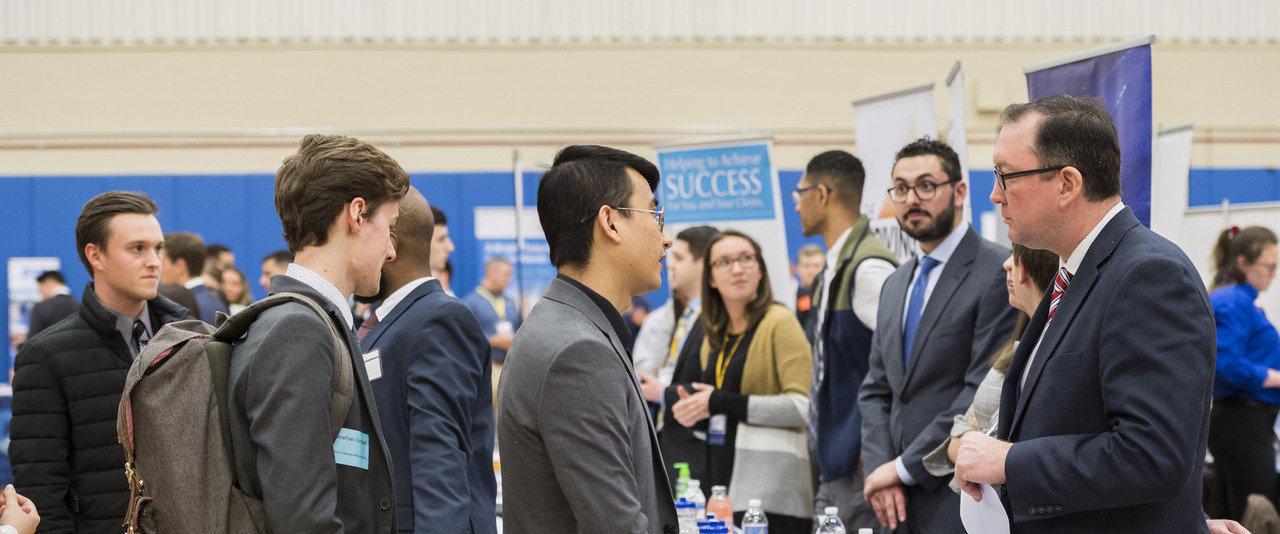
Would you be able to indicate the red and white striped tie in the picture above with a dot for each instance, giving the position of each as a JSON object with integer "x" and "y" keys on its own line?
{"x": 1060, "y": 284}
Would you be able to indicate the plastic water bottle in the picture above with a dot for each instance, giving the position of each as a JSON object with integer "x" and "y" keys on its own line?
{"x": 865, "y": 531}
{"x": 684, "y": 514}
{"x": 831, "y": 523}
{"x": 754, "y": 521}
{"x": 695, "y": 496}
{"x": 720, "y": 506}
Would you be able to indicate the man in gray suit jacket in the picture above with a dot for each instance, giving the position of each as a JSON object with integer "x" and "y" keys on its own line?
{"x": 942, "y": 315}
{"x": 579, "y": 451}
{"x": 337, "y": 199}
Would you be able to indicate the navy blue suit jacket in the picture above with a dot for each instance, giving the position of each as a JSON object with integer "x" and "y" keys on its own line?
{"x": 209, "y": 304}
{"x": 1109, "y": 429}
{"x": 436, "y": 406}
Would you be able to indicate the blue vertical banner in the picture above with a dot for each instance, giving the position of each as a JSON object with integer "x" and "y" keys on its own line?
{"x": 1120, "y": 75}
{"x": 729, "y": 184}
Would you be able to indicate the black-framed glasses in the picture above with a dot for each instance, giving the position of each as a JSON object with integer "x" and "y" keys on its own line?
{"x": 747, "y": 261}
{"x": 1002, "y": 176}
{"x": 795, "y": 194}
{"x": 924, "y": 190}
{"x": 660, "y": 214}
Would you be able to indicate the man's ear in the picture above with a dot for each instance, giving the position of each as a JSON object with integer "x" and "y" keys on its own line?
{"x": 353, "y": 215}
{"x": 94, "y": 255}
{"x": 1070, "y": 185}
{"x": 605, "y": 223}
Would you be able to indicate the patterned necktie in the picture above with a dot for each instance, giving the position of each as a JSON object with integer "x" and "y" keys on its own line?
{"x": 140, "y": 337}
{"x": 367, "y": 326}
{"x": 1060, "y": 284}
{"x": 915, "y": 307}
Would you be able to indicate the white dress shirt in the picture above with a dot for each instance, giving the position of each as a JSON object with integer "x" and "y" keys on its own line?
{"x": 326, "y": 289}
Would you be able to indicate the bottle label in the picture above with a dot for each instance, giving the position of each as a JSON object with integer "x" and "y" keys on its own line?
{"x": 753, "y": 529}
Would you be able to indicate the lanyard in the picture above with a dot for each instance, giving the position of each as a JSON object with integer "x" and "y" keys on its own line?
{"x": 722, "y": 364}
{"x": 498, "y": 302}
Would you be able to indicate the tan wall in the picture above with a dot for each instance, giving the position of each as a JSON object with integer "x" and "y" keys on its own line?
{"x": 466, "y": 108}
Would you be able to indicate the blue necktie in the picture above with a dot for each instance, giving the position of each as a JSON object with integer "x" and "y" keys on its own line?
{"x": 915, "y": 307}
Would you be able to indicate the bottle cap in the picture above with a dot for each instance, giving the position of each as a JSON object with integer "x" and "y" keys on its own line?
{"x": 754, "y": 503}
{"x": 719, "y": 488}
{"x": 865, "y": 531}
{"x": 684, "y": 503}
{"x": 832, "y": 510}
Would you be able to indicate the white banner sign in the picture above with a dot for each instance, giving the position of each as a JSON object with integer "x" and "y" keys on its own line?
{"x": 884, "y": 125}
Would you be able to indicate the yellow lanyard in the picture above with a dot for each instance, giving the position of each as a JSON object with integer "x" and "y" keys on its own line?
{"x": 497, "y": 301}
{"x": 722, "y": 365}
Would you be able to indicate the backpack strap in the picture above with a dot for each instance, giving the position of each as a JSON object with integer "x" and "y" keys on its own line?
{"x": 341, "y": 385}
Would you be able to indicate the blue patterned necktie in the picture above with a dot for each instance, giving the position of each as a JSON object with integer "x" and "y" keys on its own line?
{"x": 915, "y": 307}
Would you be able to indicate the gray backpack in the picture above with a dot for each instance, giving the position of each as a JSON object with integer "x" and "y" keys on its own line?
{"x": 175, "y": 428}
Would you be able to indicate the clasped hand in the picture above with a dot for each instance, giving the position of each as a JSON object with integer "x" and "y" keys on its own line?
{"x": 693, "y": 407}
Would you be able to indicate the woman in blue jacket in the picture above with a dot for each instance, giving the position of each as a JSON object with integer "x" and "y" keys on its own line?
{"x": 1246, "y": 390}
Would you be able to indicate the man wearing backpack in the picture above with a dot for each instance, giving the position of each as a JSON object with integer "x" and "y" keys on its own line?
{"x": 68, "y": 380}
{"x": 337, "y": 198}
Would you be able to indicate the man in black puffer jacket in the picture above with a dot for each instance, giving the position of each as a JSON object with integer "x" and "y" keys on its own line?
{"x": 68, "y": 379}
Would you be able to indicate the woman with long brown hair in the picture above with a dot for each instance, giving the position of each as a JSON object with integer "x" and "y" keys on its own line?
{"x": 754, "y": 403}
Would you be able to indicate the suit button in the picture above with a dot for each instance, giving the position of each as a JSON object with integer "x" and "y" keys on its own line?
{"x": 384, "y": 504}
{"x": 1057, "y": 508}
{"x": 1031, "y": 510}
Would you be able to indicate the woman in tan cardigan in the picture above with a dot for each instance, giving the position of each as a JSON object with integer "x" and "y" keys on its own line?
{"x": 754, "y": 399}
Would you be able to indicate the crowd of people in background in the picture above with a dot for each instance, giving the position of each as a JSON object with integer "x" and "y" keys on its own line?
{"x": 1082, "y": 375}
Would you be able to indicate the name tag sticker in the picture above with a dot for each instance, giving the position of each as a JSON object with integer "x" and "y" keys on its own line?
{"x": 716, "y": 429}
{"x": 373, "y": 365}
{"x": 352, "y": 448}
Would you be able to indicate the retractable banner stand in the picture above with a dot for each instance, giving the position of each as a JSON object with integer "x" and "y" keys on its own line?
{"x": 1120, "y": 75}
{"x": 1170, "y": 181}
{"x": 728, "y": 183}
{"x": 24, "y": 294}
{"x": 956, "y": 133}
{"x": 885, "y": 124}
{"x": 499, "y": 234}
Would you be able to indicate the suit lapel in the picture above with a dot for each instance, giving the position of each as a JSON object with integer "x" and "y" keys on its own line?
{"x": 896, "y": 288}
{"x": 1073, "y": 300}
{"x": 953, "y": 274}
{"x": 422, "y": 290}
{"x": 565, "y": 293}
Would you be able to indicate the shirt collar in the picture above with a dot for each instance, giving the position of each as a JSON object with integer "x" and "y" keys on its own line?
{"x": 394, "y": 299}
{"x": 833, "y": 253}
{"x": 947, "y": 247}
{"x": 1077, "y": 256}
{"x": 325, "y": 287}
{"x": 124, "y": 324}
{"x": 63, "y": 290}
{"x": 610, "y": 313}
{"x": 193, "y": 283}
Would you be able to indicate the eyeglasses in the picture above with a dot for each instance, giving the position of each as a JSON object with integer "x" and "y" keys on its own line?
{"x": 1002, "y": 176}
{"x": 795, "y": 195}
{"x": 747, "y": 261}
{"x": 924, "y": 190}
{"x": 659, "y": 214}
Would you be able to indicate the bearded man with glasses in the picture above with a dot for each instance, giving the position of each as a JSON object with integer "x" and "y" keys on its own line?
{"x": 942, "y": 315}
